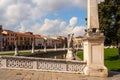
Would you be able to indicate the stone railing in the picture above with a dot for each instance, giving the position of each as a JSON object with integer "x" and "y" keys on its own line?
{"x": 42, "y": 64}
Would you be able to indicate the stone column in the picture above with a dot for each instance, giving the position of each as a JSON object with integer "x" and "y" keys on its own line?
{"x": 33, "y": 50}
{"x": 93, "y": 42}
{"x": 16, "y": 49}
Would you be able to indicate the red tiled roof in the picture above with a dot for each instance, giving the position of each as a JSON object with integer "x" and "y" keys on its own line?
{"x": 24, "y": 34}
{"x": 7, "y": 30}
{"x": 19, "y": 33}
{"x": 38, "y": 36}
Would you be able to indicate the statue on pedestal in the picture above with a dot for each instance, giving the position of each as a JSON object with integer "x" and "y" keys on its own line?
{"x": 33, "y": 50}
{"x": 16, "y": 49}
{"x": 70, "y": 55}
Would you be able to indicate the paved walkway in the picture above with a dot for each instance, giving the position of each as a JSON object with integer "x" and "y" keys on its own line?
{"x": 7, "y": 74}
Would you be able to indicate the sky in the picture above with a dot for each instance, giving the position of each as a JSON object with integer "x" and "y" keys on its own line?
{"x": 44, "y": 17}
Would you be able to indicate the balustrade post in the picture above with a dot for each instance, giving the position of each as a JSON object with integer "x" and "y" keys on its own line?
{"x": 4, "y": 63}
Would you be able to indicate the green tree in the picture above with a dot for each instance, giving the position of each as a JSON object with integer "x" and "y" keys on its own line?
{"x": 109, "y": 16}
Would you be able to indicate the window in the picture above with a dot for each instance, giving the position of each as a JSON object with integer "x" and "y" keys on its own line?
{"x": 21, "y": 38}
{"x": 31, "y": 39}
{"x": 24, "y": 38}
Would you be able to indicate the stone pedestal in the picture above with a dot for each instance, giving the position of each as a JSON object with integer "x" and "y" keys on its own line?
{"x": 94, "y": 55}
{"x": 94, "y": 44}
{"x": 69, "y": 55}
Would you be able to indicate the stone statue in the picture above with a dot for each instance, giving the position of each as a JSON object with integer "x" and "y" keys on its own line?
{"x": 70, "y": 41}
{"x": 16, "y": 49}
{"x": 70, "y": 55}
{"x": 33, "y": 50}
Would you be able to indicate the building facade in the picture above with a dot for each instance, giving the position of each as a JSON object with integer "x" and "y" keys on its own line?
{"x": 39, "y": 42}
{"x": 25, "y": 40}
{"x": 9, "y": 38}
{"x": 1, "y": 45}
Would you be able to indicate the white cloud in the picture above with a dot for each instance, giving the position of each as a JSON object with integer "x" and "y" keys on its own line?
{"x": 57, "y": 27}
{"x": 78, "y": 30}
{"x": 55, "y": 5}
{"x": 14, "y": 12}
{"x": 100, "y": 1}
{"x": 22, "y": 28}
{"x": 73, "y": 21}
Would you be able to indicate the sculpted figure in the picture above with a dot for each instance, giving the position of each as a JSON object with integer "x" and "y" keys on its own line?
{"x": 70, "y": 41}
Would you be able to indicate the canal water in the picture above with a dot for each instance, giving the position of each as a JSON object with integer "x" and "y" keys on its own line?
{"x": 49, "y": 54}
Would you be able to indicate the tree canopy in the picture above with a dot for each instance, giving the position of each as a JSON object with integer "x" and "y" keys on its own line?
{"x": 109, "y": 16}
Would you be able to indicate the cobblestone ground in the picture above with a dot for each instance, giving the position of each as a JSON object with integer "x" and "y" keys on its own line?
{"x": 7, "y": 74}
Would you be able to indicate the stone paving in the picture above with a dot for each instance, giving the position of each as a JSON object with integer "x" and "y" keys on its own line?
{"x": 7, "y": 74}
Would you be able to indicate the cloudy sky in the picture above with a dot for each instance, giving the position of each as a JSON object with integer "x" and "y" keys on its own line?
{"x": 45, "y": 17}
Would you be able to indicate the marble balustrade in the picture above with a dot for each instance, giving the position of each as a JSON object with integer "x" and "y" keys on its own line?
{"x": 42, "y": 64}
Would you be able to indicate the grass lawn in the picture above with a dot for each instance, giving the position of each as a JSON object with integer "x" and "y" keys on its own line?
{"x": 12, "y": 54}
{"x": 112, "y": 62}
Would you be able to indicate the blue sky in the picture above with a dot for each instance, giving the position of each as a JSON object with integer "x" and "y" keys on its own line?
{"x": 67, "y": 14}
{"x": 44, "y": 17}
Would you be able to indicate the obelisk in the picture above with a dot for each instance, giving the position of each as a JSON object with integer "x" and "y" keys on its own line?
{"x": 93, "y": 21}
{"x": 93, "y": 43}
